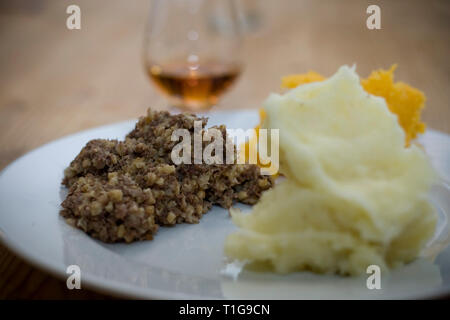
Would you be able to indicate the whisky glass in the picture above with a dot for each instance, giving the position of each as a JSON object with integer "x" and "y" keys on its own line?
{"x": 192, "y": 50}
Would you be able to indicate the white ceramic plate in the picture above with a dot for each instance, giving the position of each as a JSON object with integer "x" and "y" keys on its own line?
{"x": 185, "y": 261}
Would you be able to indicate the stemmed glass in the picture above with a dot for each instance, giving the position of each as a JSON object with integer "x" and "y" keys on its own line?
{"x": 192, "y": 50}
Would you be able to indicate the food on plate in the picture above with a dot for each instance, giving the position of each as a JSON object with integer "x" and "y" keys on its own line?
{"x": 353, "y": 195}
{"x": 402, "y": 99}
{"x": 124, "y": 190}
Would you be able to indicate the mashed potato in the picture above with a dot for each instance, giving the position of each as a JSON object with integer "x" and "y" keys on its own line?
{"x": 402, "y": 99}
{"x": 353, "y": 196}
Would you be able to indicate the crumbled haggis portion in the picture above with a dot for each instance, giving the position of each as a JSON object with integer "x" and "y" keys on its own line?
{"x": 178, "y": 199}
{"x": 156, "y": 129}
{"x": 112, "y": 209}
{"x": 100, "y": 156}
{"x": 124, "y": 190}
{"x": 93, "y": 158}
{"x": 150, "y": 141}
{"x": 242, "y": 183}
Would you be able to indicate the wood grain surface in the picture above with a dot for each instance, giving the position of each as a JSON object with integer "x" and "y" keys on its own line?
{"x": 55, "y": 81}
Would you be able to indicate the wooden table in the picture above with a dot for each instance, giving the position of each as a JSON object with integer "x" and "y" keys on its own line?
{"x": 55, "y": 81}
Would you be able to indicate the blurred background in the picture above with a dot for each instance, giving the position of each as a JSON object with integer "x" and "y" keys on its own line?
{"x": 55, "y": 81}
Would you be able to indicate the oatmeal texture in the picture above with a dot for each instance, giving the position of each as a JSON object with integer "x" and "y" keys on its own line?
{"x": 124, "y": 190}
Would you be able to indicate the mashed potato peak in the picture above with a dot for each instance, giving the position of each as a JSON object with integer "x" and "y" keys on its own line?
{"x": 402, "y": 99}
{"x": 353, "y": 194}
